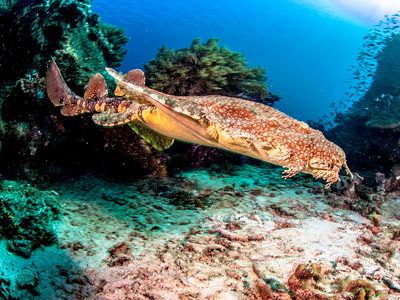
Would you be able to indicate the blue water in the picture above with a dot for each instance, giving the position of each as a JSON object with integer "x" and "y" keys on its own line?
{"x": 307, "y": 53}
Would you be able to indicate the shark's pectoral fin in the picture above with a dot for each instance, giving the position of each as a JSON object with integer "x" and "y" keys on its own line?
{"x": 156, "y": 140}
{"x": 107, "y": 119}
{"x": 96, "y": 88}
{"x": 131, "y": 117}
{"x": 57, "y": 90}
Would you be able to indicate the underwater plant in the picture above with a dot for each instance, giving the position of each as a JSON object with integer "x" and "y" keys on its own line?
{"x": 204, "y": 69}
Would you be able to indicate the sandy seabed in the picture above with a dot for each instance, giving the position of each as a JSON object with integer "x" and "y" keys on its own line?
{"x": 243, "y": 234}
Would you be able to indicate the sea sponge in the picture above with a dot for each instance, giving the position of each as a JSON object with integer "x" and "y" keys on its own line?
{"x": 306, "y": 280}
{"x": 361, "y": 289}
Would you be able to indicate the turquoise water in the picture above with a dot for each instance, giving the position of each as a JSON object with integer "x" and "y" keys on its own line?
{"x": 307, "y": 52}
{"x": 111, "y": 190}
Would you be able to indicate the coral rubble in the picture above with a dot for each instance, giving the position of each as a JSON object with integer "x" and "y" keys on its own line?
{"x": 246, "y": 234}
{"x": 245, "y": 243}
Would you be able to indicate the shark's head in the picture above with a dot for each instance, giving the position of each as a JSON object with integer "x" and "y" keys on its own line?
{"x": 326, "y": 161}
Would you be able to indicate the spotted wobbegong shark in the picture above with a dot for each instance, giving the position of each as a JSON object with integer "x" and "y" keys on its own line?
{"x": 233, "y": 124}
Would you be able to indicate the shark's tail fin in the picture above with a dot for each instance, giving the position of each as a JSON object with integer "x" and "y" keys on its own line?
{"x": 61, "y": 95}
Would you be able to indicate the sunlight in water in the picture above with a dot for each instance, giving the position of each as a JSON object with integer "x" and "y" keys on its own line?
{"x": 362, "y": 11}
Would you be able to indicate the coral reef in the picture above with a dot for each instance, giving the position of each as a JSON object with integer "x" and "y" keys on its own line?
{"x": 32, "y": 136}
{"x": 368, "y": 131}
{"x": 306, "y": 280}
{"x": 204, "y": 69}
{"x": 309, "y": 282}
{"x": 26, "y": 216}
{"x": 380, "y": 104}
{"x": 66, "y": 30}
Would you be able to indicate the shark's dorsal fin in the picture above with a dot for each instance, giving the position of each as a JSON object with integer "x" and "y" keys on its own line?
{"x": 135, "y": 76}
{"x": 96, "y": 88}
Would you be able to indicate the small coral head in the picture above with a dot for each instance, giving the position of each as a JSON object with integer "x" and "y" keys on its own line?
{"x": 327, "y": 164}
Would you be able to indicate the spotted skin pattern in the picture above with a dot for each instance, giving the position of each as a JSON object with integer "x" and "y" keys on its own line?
{"x": 232, "y": 124}
{"x": 252, "y": 129}
{"x": 265, "y": 133}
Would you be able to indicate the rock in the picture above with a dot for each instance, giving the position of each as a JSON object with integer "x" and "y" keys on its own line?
{"x": 28, "y": 280}
{"x": 62, "y": 270}
{"x": 390, "y": 184}
{"x": 77, "y": 246}
{"x": 26, "y": 216}
{"x": 109, "y": 196}
{"x": 120, "y": 255}
{"x": 350, "y": 186}
{"x": 4, "y": 287}
{"x": 21, "y": 247}
{"x": 119, "y": 249}
{"x": 120, "y": 261}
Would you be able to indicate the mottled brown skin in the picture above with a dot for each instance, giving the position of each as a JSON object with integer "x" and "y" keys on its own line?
{"x": 232, "y": 124}
{"x": 94, "y": 100}
{"x": 265, "y": 133}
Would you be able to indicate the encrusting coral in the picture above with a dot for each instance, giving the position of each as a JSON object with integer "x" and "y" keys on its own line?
{"x": 314, "y": 281}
